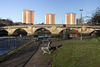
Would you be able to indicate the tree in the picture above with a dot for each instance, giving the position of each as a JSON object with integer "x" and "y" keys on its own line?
{"x": 5, "y": 22}
{"x": 95, "y": 20}
{"x": 42, "y": 23}
{"x": 18, "y": 23}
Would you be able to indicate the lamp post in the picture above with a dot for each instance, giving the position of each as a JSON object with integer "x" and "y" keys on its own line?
{"x": 81, "y": 22}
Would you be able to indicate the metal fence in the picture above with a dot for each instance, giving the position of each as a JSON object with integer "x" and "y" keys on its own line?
{"x": 8, "y": 44}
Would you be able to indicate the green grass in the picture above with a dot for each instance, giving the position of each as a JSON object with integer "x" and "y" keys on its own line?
{"x": 3, "y": 57}
{"x": 95, "y": 40}
{"x": 85, "y": 55}
{"x": 77, "y": 56}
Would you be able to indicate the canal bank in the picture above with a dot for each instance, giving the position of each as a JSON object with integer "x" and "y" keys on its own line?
{"x": 20, "y": 58}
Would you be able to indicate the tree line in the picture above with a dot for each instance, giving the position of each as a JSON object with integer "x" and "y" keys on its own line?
{"x": 6, "y": 22}
{"x": 95, "y": 19}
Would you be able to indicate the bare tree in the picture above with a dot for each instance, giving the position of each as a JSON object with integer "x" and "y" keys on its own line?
{"x": 95, "y": 20}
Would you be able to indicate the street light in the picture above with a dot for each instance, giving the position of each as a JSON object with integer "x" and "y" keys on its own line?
{"x": 81, "y": 22}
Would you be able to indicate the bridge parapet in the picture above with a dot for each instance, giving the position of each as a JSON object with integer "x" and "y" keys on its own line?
{"x": 53, "y": 28}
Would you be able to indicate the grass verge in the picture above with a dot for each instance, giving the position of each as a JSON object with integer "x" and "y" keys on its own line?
{"x": 77, "y": 56}
{"x": 93, "y": 41}
{"x": 4, "y": 57}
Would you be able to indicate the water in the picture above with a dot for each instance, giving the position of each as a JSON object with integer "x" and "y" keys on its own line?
{"x": 4, "y": 44}
{"x": 8, "y": 44}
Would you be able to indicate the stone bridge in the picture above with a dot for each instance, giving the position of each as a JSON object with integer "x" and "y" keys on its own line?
{"x": 54, "y": 29}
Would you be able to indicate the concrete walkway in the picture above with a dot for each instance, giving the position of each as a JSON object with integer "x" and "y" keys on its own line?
{"x": 39, "y": 59}
{"x": 20, "y": 58}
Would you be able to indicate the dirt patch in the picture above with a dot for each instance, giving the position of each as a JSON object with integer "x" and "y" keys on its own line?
{"x": 50, "y": 61}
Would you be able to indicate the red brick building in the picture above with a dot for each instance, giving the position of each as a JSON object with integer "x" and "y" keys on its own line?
{"x": 28, "y": 16}
{"x": 70, "y": 18}
{"x": 50, "y": 19}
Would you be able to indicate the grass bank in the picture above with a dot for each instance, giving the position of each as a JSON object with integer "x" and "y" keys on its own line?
{"x": 77, "y": 56}
{"x": 5, "y": 56}
{"x": 93, "y": 41}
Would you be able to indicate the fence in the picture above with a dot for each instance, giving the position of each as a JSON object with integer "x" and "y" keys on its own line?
{"x": 8, "y": 44}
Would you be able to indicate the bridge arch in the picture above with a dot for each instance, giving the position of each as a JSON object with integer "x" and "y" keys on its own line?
{"x": 3, "y": 33}
{"x": 61, "y": 31}
{"x": 42, "y": 30}
{"x": 95, "y": 33}
{"x": 68, "y": 30}
{"x": 19, "y": 31}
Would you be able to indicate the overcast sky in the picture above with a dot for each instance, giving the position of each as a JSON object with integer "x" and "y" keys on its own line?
{"x": 12, "y": 9}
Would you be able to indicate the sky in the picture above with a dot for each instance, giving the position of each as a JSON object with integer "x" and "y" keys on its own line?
{"x": 12, "y": 9}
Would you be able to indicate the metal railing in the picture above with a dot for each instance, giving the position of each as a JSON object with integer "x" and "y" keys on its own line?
{"x": 8, "y": 44}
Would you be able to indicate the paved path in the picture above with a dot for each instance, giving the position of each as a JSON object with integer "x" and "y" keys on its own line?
{"x": 42, "y": 60}
{"x": 20, "y": 58}
{"x": 39, "y": 59}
